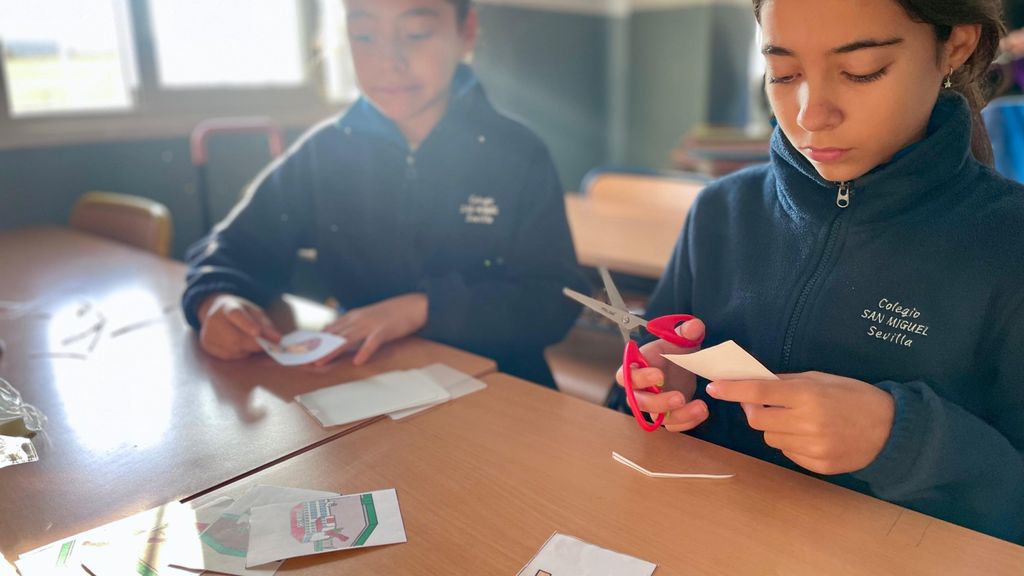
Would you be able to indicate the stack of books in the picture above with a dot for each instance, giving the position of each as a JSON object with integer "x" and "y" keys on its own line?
{"x": 719, "y": 150}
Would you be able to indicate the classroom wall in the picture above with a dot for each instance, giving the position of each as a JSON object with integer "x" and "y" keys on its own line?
{"x": 601, "y": 84}
{"x": 548, "y": 69}
{"x": 616, "y": 83}
{"x": 38, "y": 186}
{"x": 669, "y": 76}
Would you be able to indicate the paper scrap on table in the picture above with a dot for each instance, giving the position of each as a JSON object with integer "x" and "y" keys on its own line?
{"x": 16, "y": 450}
{"x": 623, "y": 460}
{"x": 381, "y": 394}
{"x": 281, "y": 531}
{"x": 564, "y": 555}
{"x": 225, "y": 542}
{"x": 458, "y": 384}
{"x": 16, "y": 308}
{"x": 147, "y": 540}
{"x": 302, "y": 347}
{"x": 726, "y": 361}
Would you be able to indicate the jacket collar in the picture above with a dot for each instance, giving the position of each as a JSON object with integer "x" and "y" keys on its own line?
{"x": 920, "y": 174}
{"x": 466, "y": 96}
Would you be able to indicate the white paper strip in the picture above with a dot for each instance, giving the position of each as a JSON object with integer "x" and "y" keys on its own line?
{"x": 623, "y": 460}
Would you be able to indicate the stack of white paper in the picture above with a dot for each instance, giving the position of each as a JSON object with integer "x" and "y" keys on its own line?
{"x": 400, "y": 394}
{"x": 456, "y": 383}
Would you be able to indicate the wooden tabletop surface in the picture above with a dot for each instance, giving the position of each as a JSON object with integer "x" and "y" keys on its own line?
{"x": 484, "y": 480}
{"x": 140, "y": 415}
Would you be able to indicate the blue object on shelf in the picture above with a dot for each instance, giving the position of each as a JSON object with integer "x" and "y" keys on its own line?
{"x": 1004, "y": 119}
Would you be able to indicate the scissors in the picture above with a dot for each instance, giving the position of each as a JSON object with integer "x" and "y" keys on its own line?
{"x": 663, "y": 327}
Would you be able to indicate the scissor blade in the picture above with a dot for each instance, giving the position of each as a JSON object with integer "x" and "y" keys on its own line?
{"x": 613, "y": 292}
{"x": 622, "y": 318}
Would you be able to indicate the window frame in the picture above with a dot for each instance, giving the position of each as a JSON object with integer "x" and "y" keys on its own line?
{"x": 167, "y": 113}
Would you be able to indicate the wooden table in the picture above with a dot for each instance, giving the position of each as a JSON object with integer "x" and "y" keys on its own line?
{"x": 621, "y": 236}
{"x": 144, "y": 417}
{"x": 484, "y": 480}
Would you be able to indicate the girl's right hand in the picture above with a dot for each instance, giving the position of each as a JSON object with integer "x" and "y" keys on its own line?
{"x": 677, "y": 384}
{"x": 230, "y": 325}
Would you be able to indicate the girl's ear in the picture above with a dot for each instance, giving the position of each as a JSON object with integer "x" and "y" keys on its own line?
{"x": 963, "y": 40}
{"x": 470, "y": 29}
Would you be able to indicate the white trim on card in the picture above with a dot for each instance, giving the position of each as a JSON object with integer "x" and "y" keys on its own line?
{"x": 608, "y": 7}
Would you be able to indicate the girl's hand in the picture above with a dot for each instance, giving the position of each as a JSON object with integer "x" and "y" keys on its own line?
{"x": 375, "y": 325}
{"x": 828, "y": 424}
{"x": 678, "y": 385}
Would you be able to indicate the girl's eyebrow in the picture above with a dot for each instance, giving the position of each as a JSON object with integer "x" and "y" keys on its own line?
{"x": 415, "y": 12}
{"x": 421, "y": 12}
{"x": 773, "y": 50}
{"x": 863, "y": 44}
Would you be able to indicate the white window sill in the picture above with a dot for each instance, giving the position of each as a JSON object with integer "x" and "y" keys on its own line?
{"x": 109, "y": 127}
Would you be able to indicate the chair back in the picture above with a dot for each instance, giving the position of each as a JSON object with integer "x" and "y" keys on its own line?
{"x": 659, "y": 190}
{"x": 132, "y": 220}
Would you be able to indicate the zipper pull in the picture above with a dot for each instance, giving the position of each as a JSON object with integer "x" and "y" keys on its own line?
{"x": 410, "y": 166}
{"x": 843, "y": 196}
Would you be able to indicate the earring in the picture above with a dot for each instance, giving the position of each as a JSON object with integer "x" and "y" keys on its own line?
{"x": 949, "y": 79}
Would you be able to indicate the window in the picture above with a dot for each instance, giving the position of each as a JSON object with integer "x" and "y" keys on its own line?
{"x": 227, "y": 43}
{"x": 339, "y": 73}
{"x": 98, "y": 70}
{"x": 63, "y": 56}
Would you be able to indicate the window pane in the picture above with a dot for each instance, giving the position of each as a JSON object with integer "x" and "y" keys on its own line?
{"x": 66, "y": 55}
{"x": 339, "y": 73}
{"x": 240, "y": 43}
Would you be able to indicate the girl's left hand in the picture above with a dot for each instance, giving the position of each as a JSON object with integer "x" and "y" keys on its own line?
{"x": 372, "y": 326}
{"x": 828, "y": 424}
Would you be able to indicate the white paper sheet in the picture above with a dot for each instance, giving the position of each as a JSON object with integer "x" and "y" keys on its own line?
{"x": 281, "y": 531}
{"x": 564, "y": 555}
{"x": 457, "y": 384}
{"x": 381, "y": 394}
{"x": 726, "y": 361}
{"x": 301, "y": 347}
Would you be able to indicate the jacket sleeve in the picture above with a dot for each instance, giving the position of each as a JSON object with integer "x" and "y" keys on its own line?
{"x": 945, "y": 461}
{"x": 515, "y": 304}
{"x": 251, "y": 252}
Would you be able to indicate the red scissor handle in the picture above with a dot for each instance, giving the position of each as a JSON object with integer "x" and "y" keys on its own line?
{"x": 663, "y": 327}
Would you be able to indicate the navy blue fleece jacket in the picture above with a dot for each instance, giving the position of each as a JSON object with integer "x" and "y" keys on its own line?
{"x": 916, "y": 287}
{"x": 474, "y": 218}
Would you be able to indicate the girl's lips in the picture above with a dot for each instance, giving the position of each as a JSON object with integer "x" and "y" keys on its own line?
{"x": 825, "y": 154}
{"x": 393, "y": 90}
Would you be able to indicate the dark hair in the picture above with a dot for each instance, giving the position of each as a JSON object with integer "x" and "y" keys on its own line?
{"x": 972, "y": 79}
{"x": 461, "y": 9}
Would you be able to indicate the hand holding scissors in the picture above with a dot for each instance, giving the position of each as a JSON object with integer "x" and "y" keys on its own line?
{"x": 664, "y": 327}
